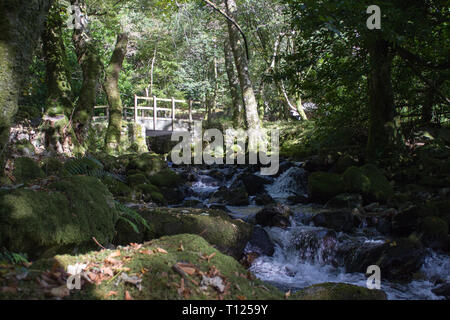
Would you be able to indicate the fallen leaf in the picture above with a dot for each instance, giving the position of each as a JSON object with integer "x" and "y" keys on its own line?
{"x": 147, "y": 252}
{"x": 9, "y": 290}
{"x": 108, "y": 272}
{"x": 60, "y": 292}
{"x": 115, "y": 254}
{"x": 241, "y": 297}
{"x": 160, "y": 250}
{"x": 111, "y": 293}
{"x": 288, "y": 294}
{"x": 181, "y": 248}
{"x": 128, "y": 296}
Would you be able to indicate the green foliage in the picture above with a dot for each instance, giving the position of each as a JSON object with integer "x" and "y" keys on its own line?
{"x": 12, "y": 257}
{"x": 89, "y": 166}
{"x": 131, "y": 217}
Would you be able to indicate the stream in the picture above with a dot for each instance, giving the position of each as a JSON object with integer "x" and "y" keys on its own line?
{"x": 305, "y": 254}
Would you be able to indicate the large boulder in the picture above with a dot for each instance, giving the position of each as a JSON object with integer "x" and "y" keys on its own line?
{"x": 260, "y": 242}
{"x": 234, "y": 196}
{"x": 26, "y": 169}
{"x": 148, "y": 163}
{"x": 338, "y": 291}
{"x": 323, "y": 186}
{"x": 398, "y": 260}
{"x": 181, "y": 267}
{"x": 253, "y": 183}
{"x": 64, "y": 215}
{"x": 340, "y": 220}
{"x": 274, "y": 215}
{"x": 368, "y": 181}
{"x": 228, "y": 235}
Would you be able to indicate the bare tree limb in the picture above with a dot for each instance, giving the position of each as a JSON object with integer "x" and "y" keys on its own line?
{"x": 215, "y": 7}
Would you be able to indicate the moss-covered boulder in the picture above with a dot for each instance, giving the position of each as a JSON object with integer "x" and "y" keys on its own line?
{"x": 148, "y": 163}
{"x": 181, "y": 267}
{"x": 62, "y": 216}
{"x": 398, "y": 259}
{"x": 434, "y": 231}
{"x": 51, "y": 166}
{"x": 356, "y": 181}
{"x": 137, "y": 179}
{"x": 380, "y": 188}
{"x": 166, "y": 178}
{"x": 228, "y": 235}
{"x": 368, "y": 181}
{"x": 323, "y": 186}
{"x": 338, "y": 291}
{"x": 26, "y": 169}
{"x": 25, "y": 148}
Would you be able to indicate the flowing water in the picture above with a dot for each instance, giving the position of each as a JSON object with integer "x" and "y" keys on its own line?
{"x": 306, "y": 255}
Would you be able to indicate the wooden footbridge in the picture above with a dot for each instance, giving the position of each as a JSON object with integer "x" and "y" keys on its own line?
{"x": 158, "y": 121}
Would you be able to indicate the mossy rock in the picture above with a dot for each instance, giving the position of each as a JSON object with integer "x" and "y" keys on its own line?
{"x": 228, "y": 235}
{"x": 120, "y": 189}
{"x": 343, "y": 164}
{"x": 137, "y": 179}
{"x": 166, "y": 178}
{"x": 338, "y": 291}
{"x": 148, "y": 163}
{"x": 26, "y": 169}
{"x": 434, "y": 229}
{"x": 52, "y": 166}
{"x": 368, "y": 181}
{"x": 356, "y": 181}
{"x": 25, "y": 148}
{"x": 63, "y": 217}
{"x": 323, "y": 186}
{"x": 159, "y": 279}
{"x": 380, "y": 188}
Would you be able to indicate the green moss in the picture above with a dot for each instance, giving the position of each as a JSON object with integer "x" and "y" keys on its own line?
{"x": 67, "y": 215}
{"x": 148, "y": 163}
{"x": 160, "y": 281}
{"x": 434, "y": 228}
{"x": 338, "y": 291}
{"x": 158, "y": 197}
{"x": 166, "y": 178}
{"x": 25, "y": 148}
{"x": 380, "y": 188}
{"x": 230, "y": 236}
{"x": 26, "y": 169}
{"x": 137, "y": 179}
{"x": 52, "y": 166}
{"x": 323, "y": 186}
{"x": 356, "y": 181}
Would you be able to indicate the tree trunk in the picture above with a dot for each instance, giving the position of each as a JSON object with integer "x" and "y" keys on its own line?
{"x": 240, "y": 57}
{"x": 20, "y": 27}
{"x": 91, "y": 65}
{"x": 59, "y": 97}
{"x": 111, "y": 86}
{"x": 235, "y": 89}
{"x": 381, "y": 99}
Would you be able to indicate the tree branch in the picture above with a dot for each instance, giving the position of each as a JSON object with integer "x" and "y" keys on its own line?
{"x": 412, "y": 58}
{"x": 215, "y": 7}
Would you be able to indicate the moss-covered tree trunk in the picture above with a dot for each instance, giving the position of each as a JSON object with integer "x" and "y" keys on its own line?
{"x": 381, "y": 98}
{"x": 59, "y": 92}
{"x": 240, "y": 57}
{"x": 235, "y": 89}
{"x": 112, "y": 142}
{"x": 20, "y": 27}
{"x": 91, "y": 65}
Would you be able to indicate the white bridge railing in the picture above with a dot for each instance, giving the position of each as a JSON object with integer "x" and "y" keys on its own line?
{"x": 138, "y": 114}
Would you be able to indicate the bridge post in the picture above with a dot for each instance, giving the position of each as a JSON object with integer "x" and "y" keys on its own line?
{"x": 190, "y": 111}
{"x": 135, "y": 108}
{"x": 155, "y": 112}
{"x": 173, "y": 114}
